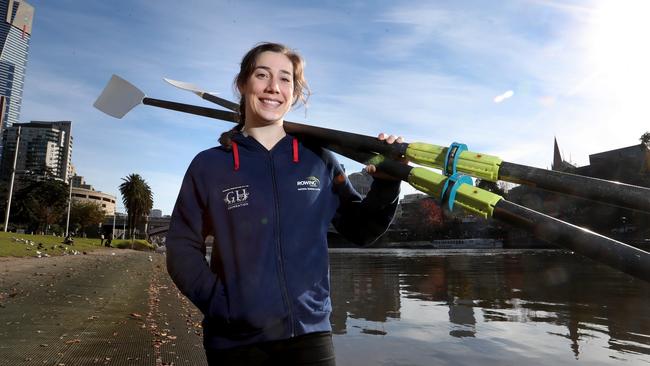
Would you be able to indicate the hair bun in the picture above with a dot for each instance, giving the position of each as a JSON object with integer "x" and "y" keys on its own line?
{"x": 226, "y": 137}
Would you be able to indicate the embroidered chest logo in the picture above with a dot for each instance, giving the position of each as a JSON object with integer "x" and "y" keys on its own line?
{"x": 236, "y": 196}
{"x": 310, "y": 183}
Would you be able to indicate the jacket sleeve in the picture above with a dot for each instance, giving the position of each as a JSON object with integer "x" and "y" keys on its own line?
{"x": 363, "y": 221}
{"x": 185, "y": 242}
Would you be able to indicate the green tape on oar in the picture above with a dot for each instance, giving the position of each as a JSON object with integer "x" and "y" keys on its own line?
{"x": 475, "y": 164}
{"x": 476, "y": 200}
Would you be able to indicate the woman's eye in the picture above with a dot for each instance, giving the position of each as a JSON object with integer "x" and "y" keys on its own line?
{"x": 261, "y": 75}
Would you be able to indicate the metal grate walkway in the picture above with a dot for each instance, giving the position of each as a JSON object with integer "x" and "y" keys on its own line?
{"x": 99, "y": 309}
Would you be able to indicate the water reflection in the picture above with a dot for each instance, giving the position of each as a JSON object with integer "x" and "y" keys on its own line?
{"x": 548, "y": 305}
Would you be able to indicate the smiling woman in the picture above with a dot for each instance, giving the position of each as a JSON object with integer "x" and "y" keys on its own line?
{"x": 268, "y": 198}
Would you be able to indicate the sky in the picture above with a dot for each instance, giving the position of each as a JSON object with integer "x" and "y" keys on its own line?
{"x": 505, "y": 78}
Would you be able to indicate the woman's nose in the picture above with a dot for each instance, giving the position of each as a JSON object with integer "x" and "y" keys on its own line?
{"x": 273, "y": 86}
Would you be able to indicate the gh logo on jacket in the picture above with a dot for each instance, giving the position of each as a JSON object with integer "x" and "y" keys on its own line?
{"x": 236, "y": 196}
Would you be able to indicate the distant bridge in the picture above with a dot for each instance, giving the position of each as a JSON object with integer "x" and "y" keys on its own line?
{"x": 161, "y": 230}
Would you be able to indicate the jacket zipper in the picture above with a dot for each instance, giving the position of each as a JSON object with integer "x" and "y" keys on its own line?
{"x": 283, "y": 282}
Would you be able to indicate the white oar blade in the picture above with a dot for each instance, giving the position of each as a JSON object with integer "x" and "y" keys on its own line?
{"x": 118, "y": 97}
{"x": 212, "y": 97}
{"x": 186, "y": 86}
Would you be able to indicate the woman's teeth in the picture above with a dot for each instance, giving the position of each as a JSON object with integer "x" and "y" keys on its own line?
{"x": 271, "y": 102}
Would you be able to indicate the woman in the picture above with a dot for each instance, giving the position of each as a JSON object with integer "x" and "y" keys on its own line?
{"x": 268, "y": 199}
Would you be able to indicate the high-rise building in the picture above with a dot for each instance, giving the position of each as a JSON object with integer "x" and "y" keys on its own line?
{"x": 45, "y": 149}
{"x": 15, "y": 33}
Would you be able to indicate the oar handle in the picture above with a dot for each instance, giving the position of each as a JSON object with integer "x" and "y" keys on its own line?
{"x": 613, "y": 193}
{"x": 616, "y": 254}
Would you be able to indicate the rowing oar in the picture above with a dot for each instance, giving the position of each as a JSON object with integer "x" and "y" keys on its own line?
{"x": 117, "y": 101}
{"x": 616, "y": 254}
{"x": 478, "y": 165}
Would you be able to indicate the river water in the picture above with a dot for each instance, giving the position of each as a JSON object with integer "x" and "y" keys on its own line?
{"x": 496, "y": 307}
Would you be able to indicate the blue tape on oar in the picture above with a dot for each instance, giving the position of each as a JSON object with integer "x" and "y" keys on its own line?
{"x": 452, "y": 184}
{"x": 451, "y": 159}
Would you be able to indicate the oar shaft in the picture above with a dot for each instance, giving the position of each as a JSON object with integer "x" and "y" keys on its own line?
{"x": 600, "y": 248}
{"x": 220, "y": 101}
{"x": 352, "y": 141}
{"x": 191, "y": 109}
{"x": 325, "y": 135}
{"x": 619, "y": 194}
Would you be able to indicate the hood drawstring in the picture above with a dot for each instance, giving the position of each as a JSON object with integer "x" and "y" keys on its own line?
{"x": 295, "y": 150}
{"x": 235, "y": 153}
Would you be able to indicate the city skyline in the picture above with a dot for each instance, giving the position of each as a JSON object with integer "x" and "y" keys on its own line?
{"x": 503, "y": 78}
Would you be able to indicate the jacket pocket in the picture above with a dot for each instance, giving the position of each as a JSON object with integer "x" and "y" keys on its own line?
{"x": 218, "y": 311}
{"x": 316, "y": 299}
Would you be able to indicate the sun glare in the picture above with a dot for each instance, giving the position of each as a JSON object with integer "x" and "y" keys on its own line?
{"x": 620, "y": 49}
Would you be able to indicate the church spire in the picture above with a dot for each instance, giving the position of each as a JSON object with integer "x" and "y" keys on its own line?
{"x": 557, "y": 158}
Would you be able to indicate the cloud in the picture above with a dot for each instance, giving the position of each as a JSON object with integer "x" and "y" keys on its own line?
{"x": 501, "y": 97}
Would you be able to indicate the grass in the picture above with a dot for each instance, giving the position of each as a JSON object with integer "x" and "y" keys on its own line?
{"x": 138, "y": 244}
{"x": 25, "y": 245}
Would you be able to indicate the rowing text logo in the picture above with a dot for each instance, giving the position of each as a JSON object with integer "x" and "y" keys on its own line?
{"x": 310, "y": 183}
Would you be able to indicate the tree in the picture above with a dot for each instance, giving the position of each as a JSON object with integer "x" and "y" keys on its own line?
{"x": 645, "y": 138}
{"x": 137, "y": 199}
{"x": 40, "y": 204}
{"x": 423, "y": 219}
{"x": 85, "y": 214}
{"x": 494, "y": 187}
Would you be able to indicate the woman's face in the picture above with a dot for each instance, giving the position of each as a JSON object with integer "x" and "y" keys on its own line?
{"x": 269, "y": 90}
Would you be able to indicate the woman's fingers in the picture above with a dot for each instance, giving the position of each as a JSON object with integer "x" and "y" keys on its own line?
{"x": 390, "y": 138}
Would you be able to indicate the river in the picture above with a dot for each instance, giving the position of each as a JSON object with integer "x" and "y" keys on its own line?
{"x": 496, "y": 307}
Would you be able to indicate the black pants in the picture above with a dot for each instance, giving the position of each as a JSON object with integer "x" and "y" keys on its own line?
{"x": 311, "y": 349}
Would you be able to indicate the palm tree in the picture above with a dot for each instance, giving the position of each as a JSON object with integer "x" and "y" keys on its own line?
{"x": 137, "y": 199}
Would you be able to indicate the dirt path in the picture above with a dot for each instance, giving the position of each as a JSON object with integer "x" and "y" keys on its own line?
{"x": 95, "y": 309}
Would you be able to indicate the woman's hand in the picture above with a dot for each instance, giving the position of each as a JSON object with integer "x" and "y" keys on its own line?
{"x": 371, "y": 169}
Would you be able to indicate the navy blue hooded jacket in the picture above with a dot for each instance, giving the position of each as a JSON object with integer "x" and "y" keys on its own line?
{"x": 269, "y": 213}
